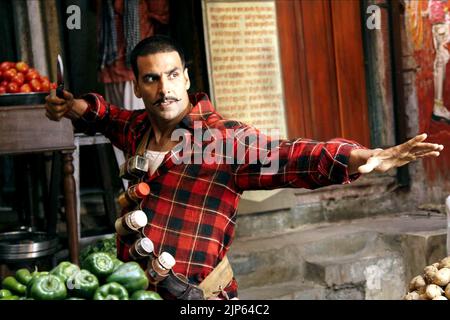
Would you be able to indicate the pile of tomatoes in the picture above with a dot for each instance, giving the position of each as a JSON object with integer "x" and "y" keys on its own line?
{"x": 18, "y": 77}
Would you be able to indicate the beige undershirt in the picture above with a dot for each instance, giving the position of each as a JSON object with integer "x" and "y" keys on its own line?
{"x": 155, "y": 159}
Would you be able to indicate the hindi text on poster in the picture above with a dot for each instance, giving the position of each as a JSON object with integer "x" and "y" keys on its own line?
{"x": 244, "y": 62}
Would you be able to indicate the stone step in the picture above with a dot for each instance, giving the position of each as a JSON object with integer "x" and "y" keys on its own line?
{"x": 299, "y": 289}
{"x": 293, "y": 290}
{"x": 277, "y": 211}
{"x": 371, "y": 258}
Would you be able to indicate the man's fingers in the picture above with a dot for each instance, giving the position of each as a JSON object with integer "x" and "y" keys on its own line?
{"x": 57, "y": 108}
{"x": 419, "y": 138}
{"x": 423, "y": 146}
{"x": 55, "y": 116}
{"x": 54, "y": 100}
{"x": 371, "y": 164}
{"x": 429, "y": 154}
{"x": 67, "y": 95}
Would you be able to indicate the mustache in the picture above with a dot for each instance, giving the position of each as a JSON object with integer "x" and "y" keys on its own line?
{"x": 166, "y": 99}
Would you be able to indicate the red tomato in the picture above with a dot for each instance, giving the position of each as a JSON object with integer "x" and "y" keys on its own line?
{"x": 35, "y": 85}
{"x": 9, "y": 74}
{"x": 25, "y": 88}
{"x": 45, "y": 85}
{"x": 19, "y": 79}
{"x": 1, "y": 75}
{"x": 12, "y": 87}
{"x": 6, "y": 65}
{"x": 31, "y": 75}
{"x": 22, "y": 66}
{"x": 4, "y": 83}
{"x": 2, "y": 89}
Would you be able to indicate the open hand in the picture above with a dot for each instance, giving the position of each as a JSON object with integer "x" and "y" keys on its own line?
{"x": 383, "y": 160}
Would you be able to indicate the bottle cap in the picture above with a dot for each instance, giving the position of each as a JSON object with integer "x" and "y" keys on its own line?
{"x": 147, "y": 245}
{"x": 142, "y": 189}
{"x": 138, "y": 219}
{"x": 166, "y": 260}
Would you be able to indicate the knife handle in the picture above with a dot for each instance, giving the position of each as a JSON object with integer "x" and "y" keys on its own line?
{"x": 59, "y": 91}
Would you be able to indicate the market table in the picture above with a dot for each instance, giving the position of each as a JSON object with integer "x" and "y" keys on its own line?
{"x": 26, "y": 129}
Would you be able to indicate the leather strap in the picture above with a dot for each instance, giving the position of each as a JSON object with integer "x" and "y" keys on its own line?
{"x": 178, "y": 286}
{"x": 143, "y": 143}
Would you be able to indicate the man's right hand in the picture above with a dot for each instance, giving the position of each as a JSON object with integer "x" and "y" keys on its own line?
{"x": 57, "y": 108}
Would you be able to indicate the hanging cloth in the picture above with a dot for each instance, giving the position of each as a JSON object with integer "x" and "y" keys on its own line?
{"x": 131, "y": 27}
{"x": 108, "y": 35}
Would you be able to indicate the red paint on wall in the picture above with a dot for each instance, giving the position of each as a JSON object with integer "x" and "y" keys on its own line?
{"x": 421, "y": 38}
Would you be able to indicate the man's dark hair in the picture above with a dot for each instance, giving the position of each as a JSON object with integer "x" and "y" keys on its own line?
{"x": 152, "y": 45}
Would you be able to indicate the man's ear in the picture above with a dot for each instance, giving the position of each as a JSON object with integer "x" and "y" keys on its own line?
{"x": 137, "y": 92}
{"x": 186, "y": 76}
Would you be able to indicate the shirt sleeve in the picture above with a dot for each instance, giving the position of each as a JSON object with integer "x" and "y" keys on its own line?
{"x": 112, "y": 121}
{"x": 262, "y": 162}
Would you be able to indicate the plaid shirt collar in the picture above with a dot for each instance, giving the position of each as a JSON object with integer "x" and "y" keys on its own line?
{"x": 202, "y": 109}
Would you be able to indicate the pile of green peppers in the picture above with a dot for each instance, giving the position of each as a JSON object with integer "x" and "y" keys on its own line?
{"x": 101, "y": 277}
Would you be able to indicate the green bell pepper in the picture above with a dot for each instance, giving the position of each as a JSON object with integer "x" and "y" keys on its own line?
{"x": 100, "y": 264}
{"x": 5, "y": 293}
{"x": 23, "y": 276}
{"x": 34, "y": 275}
{"x": 65, "y": 269}
{"x": 75, "y": 298}
{"x": 10, "y": 298}
{"x": 131, "y": 276}
{"x": 14, "y": 286}
{"x": 117, "y": 263}
{"x": 145, "y": 295}
{"x": 82, "y": 284}
{"x": 48, "y": 287}
{"x": 111, "y": 291}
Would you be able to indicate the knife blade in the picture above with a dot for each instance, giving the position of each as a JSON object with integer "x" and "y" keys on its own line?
{"x": 59, "y": 77}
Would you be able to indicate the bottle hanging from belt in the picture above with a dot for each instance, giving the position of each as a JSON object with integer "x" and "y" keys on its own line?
{"x": 133, "y": 195}
{"x": 159, "y": 267}
{"x": 131, "y": 222}
{"x": 134, "y": 167}
{"x": 141, "y": 248}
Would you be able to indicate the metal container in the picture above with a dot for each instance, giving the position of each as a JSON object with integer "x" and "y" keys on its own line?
{"x": 23, "y": 245}
{"x": 23, "y": 99}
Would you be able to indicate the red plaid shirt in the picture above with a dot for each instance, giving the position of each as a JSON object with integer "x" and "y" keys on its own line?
{"x": 191, "y": 208}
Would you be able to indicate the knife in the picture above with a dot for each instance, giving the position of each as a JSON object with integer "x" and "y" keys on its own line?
{"x": 59, "y": 77}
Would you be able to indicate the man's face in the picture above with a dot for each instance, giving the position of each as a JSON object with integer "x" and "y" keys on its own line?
{"x": 163, "y": 85}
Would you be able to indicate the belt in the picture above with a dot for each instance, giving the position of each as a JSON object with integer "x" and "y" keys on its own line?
{"x": 179, "y": 287}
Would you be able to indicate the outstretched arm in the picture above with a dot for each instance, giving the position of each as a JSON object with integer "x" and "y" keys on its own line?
{"x": 382, "y": 160}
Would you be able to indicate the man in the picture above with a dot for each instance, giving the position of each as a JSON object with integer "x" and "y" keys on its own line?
{"x": 192, "y": 205}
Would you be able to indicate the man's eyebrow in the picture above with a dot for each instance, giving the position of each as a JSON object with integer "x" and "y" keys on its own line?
{"x": 153, "y": 75}
{"x": 172, "y": 70}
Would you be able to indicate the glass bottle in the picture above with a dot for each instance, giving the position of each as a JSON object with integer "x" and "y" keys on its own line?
{"x": 131, "y": 222}
{"x": 141, "y": 248}
{"x": 133, "y": 194}
{"x": 159, "y": 267}
{"x": 134, "y": 167}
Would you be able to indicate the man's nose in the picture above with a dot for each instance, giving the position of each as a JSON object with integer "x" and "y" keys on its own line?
{"x": 164, "y": 87}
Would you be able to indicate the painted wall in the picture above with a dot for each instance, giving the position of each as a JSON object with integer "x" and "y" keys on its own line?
{"x": 427, "y": 25}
